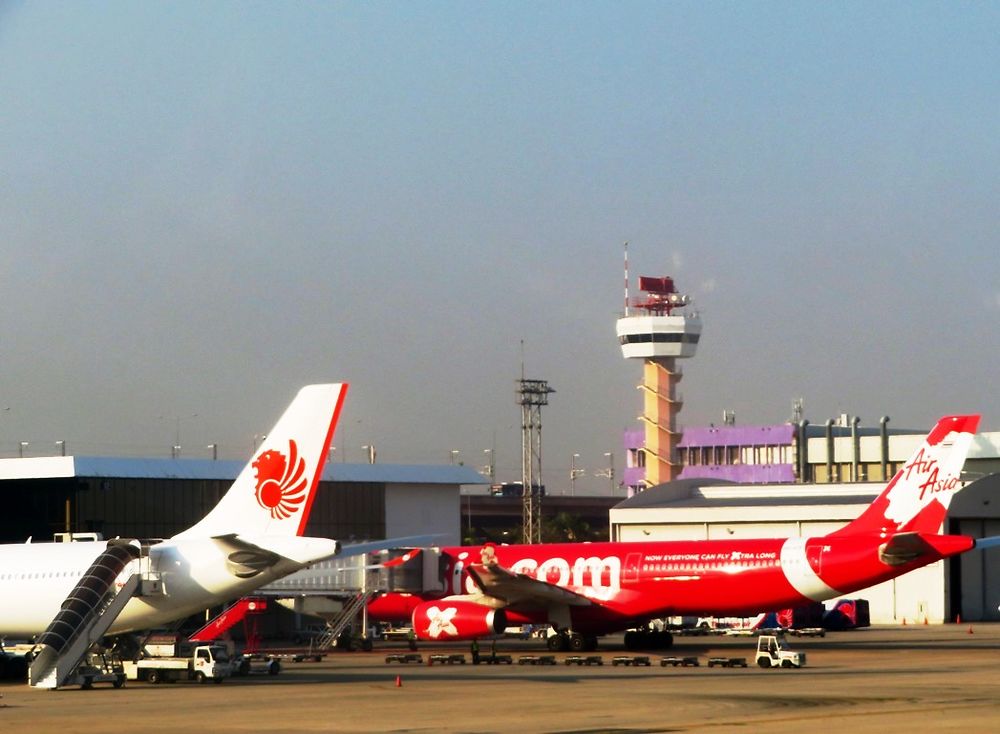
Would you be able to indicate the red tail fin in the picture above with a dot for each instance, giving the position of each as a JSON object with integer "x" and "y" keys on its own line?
{"x": 918, "y": 496}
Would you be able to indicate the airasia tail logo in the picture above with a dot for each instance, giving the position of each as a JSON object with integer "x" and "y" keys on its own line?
{"x": 927, "y": 471}
{"x": 919, "y": 482}
{"x": 281, "y": 481}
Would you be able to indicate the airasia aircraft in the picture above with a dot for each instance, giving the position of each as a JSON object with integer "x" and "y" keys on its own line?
{"x": 252, "y": 537}
{"x": 589, "y": 589}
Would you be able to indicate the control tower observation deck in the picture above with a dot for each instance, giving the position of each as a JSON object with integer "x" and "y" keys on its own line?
{"x": 655, "y": 330}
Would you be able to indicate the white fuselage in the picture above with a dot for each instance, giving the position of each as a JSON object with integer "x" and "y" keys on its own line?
{"x": 194, "y": 574}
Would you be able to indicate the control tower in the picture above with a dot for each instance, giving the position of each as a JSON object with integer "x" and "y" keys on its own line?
{"x": 654, "y": 330}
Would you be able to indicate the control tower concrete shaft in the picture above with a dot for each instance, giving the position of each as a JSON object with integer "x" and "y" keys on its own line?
{"x": 655, "y": 330}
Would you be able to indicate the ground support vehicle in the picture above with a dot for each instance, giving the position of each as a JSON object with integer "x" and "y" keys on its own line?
{"x": 204, "y": 663}
{"x": 772, "y": 652}
{"x": 405, "y": 657}
{"x": 584, "y": 660}
{"x": 269, "y": 660}
{"x": 496, "y": 660}
{"x": 98, "y": 668}
{"x": 447, "y": 659}
{"x": 537, "y": 660}
{"x": 636, "y": 660}
{"x": 727, "y": 662}
{"x": 14, "y": 661}
{"x": 263, "y": 663}
{"x": 685, "y": 662}
{"x": 396, "y": 633}
{"x": 808, "y": 632}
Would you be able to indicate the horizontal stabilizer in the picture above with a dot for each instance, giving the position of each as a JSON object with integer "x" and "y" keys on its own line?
{"x": 247, "y": 558}
{"x": 908, "y": 547}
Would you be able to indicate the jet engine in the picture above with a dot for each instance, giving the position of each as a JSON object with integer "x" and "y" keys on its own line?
{"x": 457, "y": 620}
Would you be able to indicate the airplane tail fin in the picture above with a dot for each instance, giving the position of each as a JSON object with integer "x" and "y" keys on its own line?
{"x": 274, "y": 493}
{"x": 917, "y": 497}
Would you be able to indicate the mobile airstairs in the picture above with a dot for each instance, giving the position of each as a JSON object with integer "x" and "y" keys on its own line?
{"x": 346, "y": 580}
{"x": 63, "y": 653}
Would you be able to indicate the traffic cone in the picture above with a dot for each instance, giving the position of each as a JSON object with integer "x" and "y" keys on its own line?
{"x": 399, "y": 681}
{"x": 970, "y": 629}
{"x": 925, "y": 620}
{"x": 958, "y": 619}
{"x": 904, "y": 621}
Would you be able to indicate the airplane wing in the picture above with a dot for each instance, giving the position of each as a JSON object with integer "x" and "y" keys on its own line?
{"x": 518, "y": 588}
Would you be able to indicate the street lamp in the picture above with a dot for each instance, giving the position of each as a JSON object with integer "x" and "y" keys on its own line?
{"x": 490, "y": 467}
{"x": 370, "y": 449}
{"x": 62, "y": 447}
{"x": 611, "y": 470}
{"x": 573, "y": 474}
{"x": 452, "y": 455}
{"x": 21, "y": 447}
{"x": 215, "y": 450}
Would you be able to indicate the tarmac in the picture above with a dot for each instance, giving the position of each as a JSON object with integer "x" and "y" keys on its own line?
{"x": 937, "y": 678}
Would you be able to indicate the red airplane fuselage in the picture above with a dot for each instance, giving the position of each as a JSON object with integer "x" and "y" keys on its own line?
{"x": 630, "y": 583}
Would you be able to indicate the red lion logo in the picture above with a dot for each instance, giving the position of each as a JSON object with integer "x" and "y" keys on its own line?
{"x": 281, "y": 486}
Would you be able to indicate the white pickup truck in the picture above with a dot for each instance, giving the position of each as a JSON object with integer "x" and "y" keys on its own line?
{"x": 204, "y": 663}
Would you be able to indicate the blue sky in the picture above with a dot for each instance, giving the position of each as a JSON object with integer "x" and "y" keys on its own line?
{"x": 206, "y": 205}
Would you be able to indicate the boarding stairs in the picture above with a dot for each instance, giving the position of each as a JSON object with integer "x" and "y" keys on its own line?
{"x": 233, "y": 614}
{"x": 334, "y": 628}
{"x": 85, "y": 616}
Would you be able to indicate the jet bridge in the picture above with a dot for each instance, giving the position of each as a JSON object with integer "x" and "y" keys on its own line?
{"x": 86, "y": 615}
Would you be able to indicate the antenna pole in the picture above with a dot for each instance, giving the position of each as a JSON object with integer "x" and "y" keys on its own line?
{"x": 626, "y": 277}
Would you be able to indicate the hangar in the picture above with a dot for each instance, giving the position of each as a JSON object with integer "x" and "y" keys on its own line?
{"x": 157, "y": 498}
{"x": 700, "y": 509}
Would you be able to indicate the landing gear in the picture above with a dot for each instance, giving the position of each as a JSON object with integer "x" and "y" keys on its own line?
{"x": 582, "y": 643}
{"x": 562, "y": 641}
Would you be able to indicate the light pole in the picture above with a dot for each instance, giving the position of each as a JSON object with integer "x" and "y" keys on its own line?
{"x": 452, "y": 455}
{"x": 370, "y": 449}
{"x": 176, "y": 451}
{"x": 21, "y": 447}
{"x": 215, "y": 450}
{"x": 62, "y": 447}
{"x": 611, "y": 470}
{"x": 491, "y": 469}
{"x": 573, "y": 474}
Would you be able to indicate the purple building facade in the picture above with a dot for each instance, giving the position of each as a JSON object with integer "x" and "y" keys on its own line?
{"x": 744, "y": 454}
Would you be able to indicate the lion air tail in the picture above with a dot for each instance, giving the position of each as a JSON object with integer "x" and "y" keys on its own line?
{"x": 275, "y": 491}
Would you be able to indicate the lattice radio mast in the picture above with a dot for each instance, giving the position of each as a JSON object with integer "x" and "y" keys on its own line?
{"x": 531, "y": 396}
